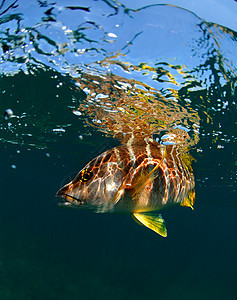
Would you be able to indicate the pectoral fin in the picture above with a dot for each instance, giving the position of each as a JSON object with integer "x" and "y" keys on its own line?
{"x": 155, "y": 223}
{"x": 144, "y": 178}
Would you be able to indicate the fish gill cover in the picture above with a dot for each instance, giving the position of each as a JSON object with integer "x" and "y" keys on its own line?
{"x": 157, "y": 71}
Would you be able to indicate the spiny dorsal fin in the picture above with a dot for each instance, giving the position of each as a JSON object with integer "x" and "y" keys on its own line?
{"x": 155, "y": 223}
{"x": 188, "y": 159}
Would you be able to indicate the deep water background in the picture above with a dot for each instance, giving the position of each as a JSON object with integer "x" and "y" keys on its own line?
{"x": 48, "y": 252}
{"x": 53, "y": 253}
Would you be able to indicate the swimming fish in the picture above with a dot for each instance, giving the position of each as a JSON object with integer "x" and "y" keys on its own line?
{"x": 139, "y": 179}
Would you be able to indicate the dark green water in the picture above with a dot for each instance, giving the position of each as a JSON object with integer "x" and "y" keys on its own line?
{"x": 48, "y": 252}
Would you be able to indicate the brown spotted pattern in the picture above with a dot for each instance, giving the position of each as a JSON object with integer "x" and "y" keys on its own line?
{"x": 137, "y": 177}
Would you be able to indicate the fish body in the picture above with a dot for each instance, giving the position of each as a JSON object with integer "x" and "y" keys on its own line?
{"x": 137, "y": 178}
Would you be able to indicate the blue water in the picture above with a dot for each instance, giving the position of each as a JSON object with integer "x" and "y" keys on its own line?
{"x": 53, "y": 57}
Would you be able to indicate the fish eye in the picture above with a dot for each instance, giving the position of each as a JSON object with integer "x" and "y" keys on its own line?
{"x": 85, "y": 175}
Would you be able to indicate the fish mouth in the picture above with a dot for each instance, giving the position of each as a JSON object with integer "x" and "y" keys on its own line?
{"x": 68, "y": 200}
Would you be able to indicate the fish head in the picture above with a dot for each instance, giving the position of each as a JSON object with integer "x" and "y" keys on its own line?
{"x": 95, "y": 186}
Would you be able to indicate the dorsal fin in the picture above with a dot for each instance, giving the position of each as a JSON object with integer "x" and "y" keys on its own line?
{"x": 187, "y": 159}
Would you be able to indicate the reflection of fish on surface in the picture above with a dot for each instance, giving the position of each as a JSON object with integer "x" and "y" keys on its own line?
{"x": 121, "y": 107}
{"x": 138, "y": 178}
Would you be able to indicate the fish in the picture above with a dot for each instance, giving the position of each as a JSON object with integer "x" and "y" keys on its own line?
{"x": 139, "y": 179}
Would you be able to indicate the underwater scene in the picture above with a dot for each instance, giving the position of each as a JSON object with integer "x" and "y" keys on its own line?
{"x": 118, "y": 149}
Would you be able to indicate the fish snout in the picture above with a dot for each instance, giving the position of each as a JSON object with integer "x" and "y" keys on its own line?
{"x": 64, "y": 190}
{"x": 68, "y": 199}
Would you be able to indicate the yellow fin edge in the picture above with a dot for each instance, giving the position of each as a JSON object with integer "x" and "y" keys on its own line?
{"x": 155, "y": 223}
{"x": 189, "y": 201}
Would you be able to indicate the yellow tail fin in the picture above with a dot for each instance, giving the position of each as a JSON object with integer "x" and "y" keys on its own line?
{"x": 189, "y": 201}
